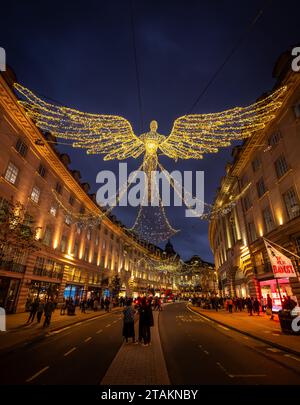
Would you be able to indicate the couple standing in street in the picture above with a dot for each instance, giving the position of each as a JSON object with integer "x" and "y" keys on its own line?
{"x": 145, "y": 321}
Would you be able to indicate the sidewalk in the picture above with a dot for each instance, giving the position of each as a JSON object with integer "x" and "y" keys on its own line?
{"x": 259, "y": 327}
{"x": 135, "y": 364}
{"x": 20, "y": 333}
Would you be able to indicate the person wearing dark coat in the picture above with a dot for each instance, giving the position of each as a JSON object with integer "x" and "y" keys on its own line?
{"x": 33, "y": 310}
{"x": 128, "y": 321}
{"x": 145, "y": 322}
{"x": 256, "y": 306}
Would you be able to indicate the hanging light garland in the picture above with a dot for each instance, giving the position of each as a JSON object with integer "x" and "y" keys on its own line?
{"x": 192, "y": 136}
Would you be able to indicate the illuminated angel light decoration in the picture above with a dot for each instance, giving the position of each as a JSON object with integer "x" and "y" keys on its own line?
{"x": 191, "y": 137}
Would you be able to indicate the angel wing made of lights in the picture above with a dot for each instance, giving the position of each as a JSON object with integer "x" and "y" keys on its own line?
{"x": 110, "y": 135}
{"x": 192, "y": 135}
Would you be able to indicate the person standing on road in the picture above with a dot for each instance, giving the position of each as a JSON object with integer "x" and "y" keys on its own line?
{"x": 49, "y": 308}
{"x": 250, "y": 305}
{"x": 128, "y": 321}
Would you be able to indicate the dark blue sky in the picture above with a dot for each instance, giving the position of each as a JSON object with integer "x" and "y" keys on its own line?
{"x": 81, "y": 54}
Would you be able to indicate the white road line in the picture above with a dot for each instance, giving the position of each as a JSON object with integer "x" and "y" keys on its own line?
{"x": 275, "y": 334}
{"x": 272, "y": 349}
{"x": 206, "y": 352}
{"x": 292, "y": 357}
{"x": 223, "y": 327}
{"x": 246, "y": 375}
{"x": 246, "y": 337}
{"x": 88, "y": 339}
{"x": 59, "y": 331}
{"x": 99, "y": 331}
{"x": 222, "y": 367}
{"x": 37, "y": 374}
{"x": 108, "y": 325}
{"x": 70, "y": 351}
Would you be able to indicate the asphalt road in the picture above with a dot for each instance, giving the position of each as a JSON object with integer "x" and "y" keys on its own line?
{"x": 80, "y": 354}
{"x": 198, "y": 351}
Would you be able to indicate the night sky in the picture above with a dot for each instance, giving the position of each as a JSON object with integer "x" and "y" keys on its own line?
{"x": 81, "y": 54}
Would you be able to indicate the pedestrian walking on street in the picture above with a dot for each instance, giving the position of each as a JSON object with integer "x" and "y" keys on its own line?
{"x": 128, "y": 321}
{"x": 230, "y": 304}
{"x": 33, "y": 310}
{"x": 269, "y": 310}
{"x": 49, "y": 308}
{"x": 40, "y": 311}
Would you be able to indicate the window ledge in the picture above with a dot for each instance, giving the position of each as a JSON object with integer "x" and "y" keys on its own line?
{"x": 3, "y": 179}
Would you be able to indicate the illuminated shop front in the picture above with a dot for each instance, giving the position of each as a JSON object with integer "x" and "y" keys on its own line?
{"x": 74, "y": 291}
{"x": 270, "y": 287}
{"x": 42, "y": 290}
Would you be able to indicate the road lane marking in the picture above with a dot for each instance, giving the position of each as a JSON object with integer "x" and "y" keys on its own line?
{"x": 292, "y": 357}
{"x": 108, "y": 325}
{"x": 37, "y": 374}
{"x": 99, "y": 331}
{"x": 272, "y": 349}
{"x": 206, "y": 352}
{"x": 275, "y": 334}
{"x": 246, "y": 375}
{"x": 222, "y": 368}
{"x": 223, "y": 327}
{"x": 246, "y": 337}
{"x": 88, "y": 339}
{"x": 70, "y": 351}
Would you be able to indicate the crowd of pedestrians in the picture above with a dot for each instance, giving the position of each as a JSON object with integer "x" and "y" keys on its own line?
{"x": 238, "y": 304}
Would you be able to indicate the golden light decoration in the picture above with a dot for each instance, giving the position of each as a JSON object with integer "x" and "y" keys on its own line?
{"x": 191, "y": 137}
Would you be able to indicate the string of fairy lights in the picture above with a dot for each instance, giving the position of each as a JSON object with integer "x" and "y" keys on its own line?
{"x": 192, "y": 136}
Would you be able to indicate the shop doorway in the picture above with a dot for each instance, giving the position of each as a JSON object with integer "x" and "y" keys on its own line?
{"x": 9, "y": 288}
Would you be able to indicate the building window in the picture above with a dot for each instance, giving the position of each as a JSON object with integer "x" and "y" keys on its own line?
{"x": 104, "y": 244}
{"x": 63, "y": 244}
{"x": 21, "y": 147}
{"x": 35, "y": 194}
{"x": 247, "y": 203}
{"x": 274, "y": 138}
{"x": 281, "y": 166}
{"x": 297, "y": 110}
{"x": 268, "y": 219}
{"x": 105, "y": 231}
{"x": 82, "y": 210}
{"x": 95, "y": 258}
{"x": 42, "y": 171}
{"x": 71, "y": 200}
{"x": 11, "y": 173}
{"x": 256, "y": 164}
{"x": 47, "y": 236}
{"x": 58, "y": 188}
{"x": 53, "y": 210}
{"x": 97, "y": 240}
{"x": 252, "y": 231}
{"x": 112, "y": 236}
{"x": 68, "y": 220}
{"x": 261, "y": 189}
{"x": 291, "y": 203}
{"x": 88, "y": 234}
{"x": 86, "y": 253}
{"x": 76, "y": 248}
{"x": 297, "y": 242}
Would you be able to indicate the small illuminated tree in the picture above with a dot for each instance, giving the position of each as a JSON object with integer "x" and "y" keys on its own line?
{"x": 18, "y": 233}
